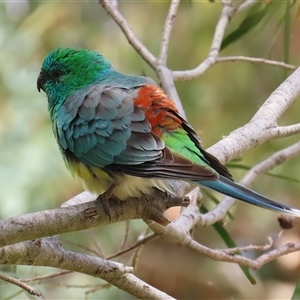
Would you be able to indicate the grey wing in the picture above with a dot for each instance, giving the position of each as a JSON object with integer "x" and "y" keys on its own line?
{"x": 100, "y": 125}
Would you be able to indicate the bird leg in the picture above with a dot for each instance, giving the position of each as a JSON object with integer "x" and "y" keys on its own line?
{"x": 157, "y": 202}
{"x": 104, "y": 199}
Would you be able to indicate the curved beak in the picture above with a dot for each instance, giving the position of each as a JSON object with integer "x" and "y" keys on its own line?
{"x": 40, "y": 81}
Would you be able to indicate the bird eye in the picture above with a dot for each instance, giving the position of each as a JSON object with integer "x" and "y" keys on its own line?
{"x": 55, "y": 74}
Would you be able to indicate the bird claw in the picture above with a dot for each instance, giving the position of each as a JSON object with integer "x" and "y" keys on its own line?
{"x": 172, "y": 200}
{"x": 154, "y": 214}
{"x": 155, "y": 211}
{"x": 104, "y": 200}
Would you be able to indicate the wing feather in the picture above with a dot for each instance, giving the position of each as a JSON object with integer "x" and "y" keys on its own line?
{"x": 105, "y": 128}
{"x": 101, "y": 127}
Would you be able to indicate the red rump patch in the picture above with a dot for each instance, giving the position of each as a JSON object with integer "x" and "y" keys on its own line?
{"x": 159, "y": 109}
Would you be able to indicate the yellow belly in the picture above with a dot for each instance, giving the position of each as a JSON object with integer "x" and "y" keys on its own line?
{"x": 98, "y": 181}
{"x": 94, "y": 180}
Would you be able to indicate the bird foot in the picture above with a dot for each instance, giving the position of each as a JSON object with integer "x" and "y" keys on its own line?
{"x": 155, "y": 211}
{"x": 172, "y": 200}
{"x": 104, "y": 200}
{"x": 154, "y": 214}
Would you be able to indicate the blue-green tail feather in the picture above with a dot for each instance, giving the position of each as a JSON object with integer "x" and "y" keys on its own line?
{"x": 240, "y": 192}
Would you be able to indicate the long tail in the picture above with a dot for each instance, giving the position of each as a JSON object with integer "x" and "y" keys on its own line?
{"x": 235, "y": 190}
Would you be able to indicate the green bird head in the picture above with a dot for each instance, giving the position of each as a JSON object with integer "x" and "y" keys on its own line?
{"x": 66, "y": 70}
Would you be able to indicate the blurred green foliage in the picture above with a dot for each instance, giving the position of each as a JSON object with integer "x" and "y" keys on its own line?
{"x": 32, "y": 174}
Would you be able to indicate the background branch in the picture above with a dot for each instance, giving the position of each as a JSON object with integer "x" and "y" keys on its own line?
{"x": 20, "y": 284}
{"x": 162, "y": 58}
{"x": 49, "y": 252}
{"x": 263, "y": 127}
{"x": 113, "y": 11}
{"x": 265, "y": 166}
{"x": 255, "y": 60}
{"x": 226, "y": 15}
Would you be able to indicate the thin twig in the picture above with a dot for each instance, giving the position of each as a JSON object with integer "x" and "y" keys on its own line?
{"x": 115, "y": 14}
{"x": 163, "y": 55}
{"x": 245, "y": 5}
{"x": 284, "y": 131}
{"x": 263, "y": 126}
{"x": 140, "y": 242}
{"x": 50, "y": 276}
{"x": 136, "y": 256}
{"x": 226, "y": 15}
{"x": 274, "y": 160}
{"x": 20, "y": 284}
{"x": 163, "y": 73}
{"x": 98, "y": 250}
{"x": 247, "y": 248}
{"x": 84, "y": 247}
{"x": 127, "y": 224}
{"x": 179, "y": 235}
{"x": 255, "y": 60}
{"x": 253, "y": 264}
{"x": 97, "y": 288}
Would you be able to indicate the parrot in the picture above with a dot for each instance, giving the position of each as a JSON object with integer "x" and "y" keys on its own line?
{"x": 122, "y": 135}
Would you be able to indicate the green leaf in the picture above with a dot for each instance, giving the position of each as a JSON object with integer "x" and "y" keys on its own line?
{"x": 283, "y": 177}
{"x": 230, "y": 244}
{"x": 296, "y": 294}
{"x": 238, "y": 166}
{"x": 251, "y": 21}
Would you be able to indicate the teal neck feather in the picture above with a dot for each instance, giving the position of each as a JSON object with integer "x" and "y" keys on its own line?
{"x": 79, "y": 69}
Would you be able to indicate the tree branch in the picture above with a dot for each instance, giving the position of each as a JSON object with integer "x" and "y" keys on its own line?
{"x": 263, "y": 126}
{"x": 227, "y": 13}
{"x": 162, "y": 58}
{"x": 159, "y": 65}
{"x": 255, "y": 60}
{"x": 276, "y": 159}
{"x": 245, "y": 5}
{"x": 115, "y": 14}
{"x": 83, "y": 216}
{"x": 49, "y": 252}
{"x": 265, "y": 166}
{"x": 20, "y": 284}
{"x": 178, "y": 233}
